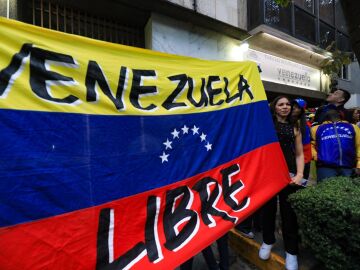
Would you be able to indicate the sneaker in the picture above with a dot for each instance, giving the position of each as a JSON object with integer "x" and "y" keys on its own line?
{"x": 291, "y": 262}
{"x": 265, "y": 251}
{"x": 247, "y": 234}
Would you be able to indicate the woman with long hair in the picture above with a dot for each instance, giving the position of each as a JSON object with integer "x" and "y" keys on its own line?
{"x": 290, "y": 140}
{"x": 298, "y": 115}
{"x": 354, "y": 116}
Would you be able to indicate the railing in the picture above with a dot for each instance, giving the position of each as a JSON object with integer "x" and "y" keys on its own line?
{"x": 80, "y": 22}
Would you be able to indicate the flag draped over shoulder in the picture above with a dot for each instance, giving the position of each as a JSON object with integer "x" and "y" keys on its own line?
{"x": 114, "y": 157}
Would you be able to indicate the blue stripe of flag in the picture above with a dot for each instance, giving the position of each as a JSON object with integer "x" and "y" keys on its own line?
{"x": 53, "y": 163}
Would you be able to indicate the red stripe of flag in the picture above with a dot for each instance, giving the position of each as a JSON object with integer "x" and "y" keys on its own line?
{"x": 144, "y": 231}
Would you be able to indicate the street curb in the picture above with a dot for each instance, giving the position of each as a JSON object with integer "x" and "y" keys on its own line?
{"x": 249, "y": 250}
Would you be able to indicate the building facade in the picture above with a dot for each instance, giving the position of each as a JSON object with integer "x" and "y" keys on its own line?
{"x": 300, "y": 33}
{"x": 285, "y": 42}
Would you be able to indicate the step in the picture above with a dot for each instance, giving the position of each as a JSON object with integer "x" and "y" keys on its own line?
{"x": 249, "y": 250}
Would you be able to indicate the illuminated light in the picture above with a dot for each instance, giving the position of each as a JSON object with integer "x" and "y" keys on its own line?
{"x": 238, "y": 51}
{"x": 269, "y": 36}
{"x": 244, "y": 47}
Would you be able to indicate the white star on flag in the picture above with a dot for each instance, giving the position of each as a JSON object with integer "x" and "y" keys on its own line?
{"x": 175, "y": 134}
{"x": 164, "y": 157}
{"x": 185, "y": 129}
{"x": 195, "y": 130}
{"x": 178, "y": 132}
{"x": 167, "y": 144}
{"x": 203, "y": 136}
{"x": 208, "y": 146}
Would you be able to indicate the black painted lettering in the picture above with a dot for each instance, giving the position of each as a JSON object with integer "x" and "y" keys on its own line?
{"x": 103, "y": 261}
{"x": 95, "y": 75}
{"x": 137, "y": 89}
{"x": 152, "y": 241}
{"x": 16, "y": 63}
{"x": 176, "y": 214}
{"x": 243, "y": 86}
{"x": 39, "y": 75}
{"x": 212, "y": 92}
{"x": 231, "y": 189}
{"x": 209, "y": 200}
{"x": 170, "y": 103}
{"x": 230, "y": 98}
{"x": 203, "y": 101}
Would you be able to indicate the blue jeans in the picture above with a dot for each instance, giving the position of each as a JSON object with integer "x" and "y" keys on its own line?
{"x": 326, "y": 172}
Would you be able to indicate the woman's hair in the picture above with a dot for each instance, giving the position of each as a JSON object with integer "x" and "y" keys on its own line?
{"x": 273, "y": 111}
{"x": 300, "y": 119}
{"x": 350, "y": 114}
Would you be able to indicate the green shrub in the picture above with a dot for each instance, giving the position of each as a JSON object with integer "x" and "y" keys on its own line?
{"x": 329, "y": 221}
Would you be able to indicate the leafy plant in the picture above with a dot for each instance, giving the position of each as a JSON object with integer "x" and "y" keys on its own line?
{"x": 283, "y": 3}
{"x": 329, "y": 221}
{"x": 333, "y": 64}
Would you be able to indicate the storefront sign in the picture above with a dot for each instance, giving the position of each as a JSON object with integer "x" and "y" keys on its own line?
{"x": 282, "y": 71}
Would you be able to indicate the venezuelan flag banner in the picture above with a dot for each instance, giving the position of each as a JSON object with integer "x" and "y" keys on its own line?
{"x": 114, "y": 157}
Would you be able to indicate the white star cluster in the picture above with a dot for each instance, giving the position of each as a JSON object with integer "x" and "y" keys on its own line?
{"x": 347, "y": 130}
{"x": 179, "y": 133}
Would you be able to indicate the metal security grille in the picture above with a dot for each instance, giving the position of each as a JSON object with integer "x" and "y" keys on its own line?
{"x": 79, "y": 22}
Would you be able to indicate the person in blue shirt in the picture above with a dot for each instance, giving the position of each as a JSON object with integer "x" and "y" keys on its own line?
{"x": 335, "y": 147}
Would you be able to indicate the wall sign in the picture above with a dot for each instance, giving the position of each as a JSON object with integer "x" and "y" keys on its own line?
{"x": 282, "y": 71}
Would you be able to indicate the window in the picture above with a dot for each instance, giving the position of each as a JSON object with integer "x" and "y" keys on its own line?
{"x": 49, "y": 14}
{"x": 254, "y": 14}
{"x": 326, "y": 11}
{"x": 344, "y": 72}
{"x": 277, "y": 16}
{"x": 340, "y": 18}
{"x": 343, "y": 42}
{"x": 327, "y": 35}
{"x": 304, "y": 25}
{"x": 307, "y": 5}
{"x": 319, "y": 22}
